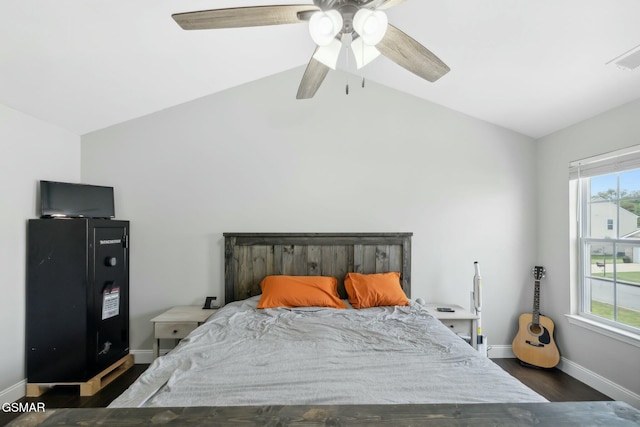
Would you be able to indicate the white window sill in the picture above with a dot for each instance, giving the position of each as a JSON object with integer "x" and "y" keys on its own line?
{"x": 610, "y": 331}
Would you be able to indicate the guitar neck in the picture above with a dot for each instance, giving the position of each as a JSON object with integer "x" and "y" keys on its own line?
{"x": 536, "y": 303}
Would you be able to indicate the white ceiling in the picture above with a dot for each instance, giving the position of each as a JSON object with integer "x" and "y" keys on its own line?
{"x": 534, "y": 66}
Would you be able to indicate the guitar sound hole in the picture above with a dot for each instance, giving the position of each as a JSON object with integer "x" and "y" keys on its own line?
{"x": 535, "y": 329}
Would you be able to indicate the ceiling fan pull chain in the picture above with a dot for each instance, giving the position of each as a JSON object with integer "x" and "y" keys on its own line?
{"x": 363, "y": 63}
{"x": 346, "y": 59}
{"x": 347, "y": 86}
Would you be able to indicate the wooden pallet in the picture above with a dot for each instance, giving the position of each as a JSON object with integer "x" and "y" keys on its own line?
{"x": 91, "y": 387}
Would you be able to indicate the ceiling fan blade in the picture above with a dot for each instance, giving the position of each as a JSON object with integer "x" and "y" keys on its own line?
{"x": 409, "y": 54}
{"x": 312, "y": 79}
{"x": 384, "y": 4}
{"x": 253, "y": 16}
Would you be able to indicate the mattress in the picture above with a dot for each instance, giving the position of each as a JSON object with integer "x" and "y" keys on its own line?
{"x": 382, "y": 355}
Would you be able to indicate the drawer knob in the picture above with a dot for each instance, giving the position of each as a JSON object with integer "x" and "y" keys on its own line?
{"x": 175, "y": 331}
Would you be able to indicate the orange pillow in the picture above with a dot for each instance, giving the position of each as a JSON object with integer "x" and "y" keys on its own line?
{"x": 373, "y": 290}
{"x": 300, "y": 291}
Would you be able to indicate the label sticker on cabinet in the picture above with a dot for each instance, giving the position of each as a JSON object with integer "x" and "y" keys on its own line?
{"x": 110, "y": 303}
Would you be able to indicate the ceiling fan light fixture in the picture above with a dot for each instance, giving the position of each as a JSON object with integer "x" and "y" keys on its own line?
{"x": 363, "y": 52}
{"x": 371, "y": 25}
{"x": 324, "y": 26}
{"x": 329, "y": 54}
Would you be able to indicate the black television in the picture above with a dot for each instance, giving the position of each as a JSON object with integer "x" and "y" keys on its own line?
{"x": 65, "y": 199}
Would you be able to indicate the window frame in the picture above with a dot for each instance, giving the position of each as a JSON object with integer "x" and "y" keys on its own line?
{"x": 585, "y": 242}
{"x": 581, "y": 171}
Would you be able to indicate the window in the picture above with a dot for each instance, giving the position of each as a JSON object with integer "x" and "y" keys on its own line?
{"x": 609, "y": 243}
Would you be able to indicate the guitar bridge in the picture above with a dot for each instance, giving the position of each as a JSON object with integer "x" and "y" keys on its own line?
{"x": 534, "y": 344}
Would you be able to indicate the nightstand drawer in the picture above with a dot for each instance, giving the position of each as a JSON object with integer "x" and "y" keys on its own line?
{"x": 177, "y": 323}
{"x": 458, "y": 325}
{"x": 174, "y": 329}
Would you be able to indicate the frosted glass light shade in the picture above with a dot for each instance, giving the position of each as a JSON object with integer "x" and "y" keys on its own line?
{"x": 363, "y": 53}
{"x": 329, "y": 53}
{"x": 324, "y": 26}
{"x": 371, "y": 25}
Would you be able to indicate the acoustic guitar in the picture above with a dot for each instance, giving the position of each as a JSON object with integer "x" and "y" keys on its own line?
{"x": 534, "y": 343}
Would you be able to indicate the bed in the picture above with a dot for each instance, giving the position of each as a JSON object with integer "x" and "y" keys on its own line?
{"x": 311, "y": 366}
{"x": 319, "y": 355}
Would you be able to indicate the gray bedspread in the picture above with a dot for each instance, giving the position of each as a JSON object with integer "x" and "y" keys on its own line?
{"x": 384, "y": 355}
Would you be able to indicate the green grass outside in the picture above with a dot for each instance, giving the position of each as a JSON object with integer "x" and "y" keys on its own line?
{"x": 608, "y": 259}
{"x": 625, "y": 276}
{"x": 625, "y": 315}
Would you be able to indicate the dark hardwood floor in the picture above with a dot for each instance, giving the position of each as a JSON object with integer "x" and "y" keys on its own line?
{"x": 553, "y": 384}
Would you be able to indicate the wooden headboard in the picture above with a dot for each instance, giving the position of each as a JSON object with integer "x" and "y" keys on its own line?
{"x": 249, "y": 257}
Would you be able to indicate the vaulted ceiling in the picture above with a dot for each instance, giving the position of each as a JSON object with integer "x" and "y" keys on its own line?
{"x": 530, "y": 66}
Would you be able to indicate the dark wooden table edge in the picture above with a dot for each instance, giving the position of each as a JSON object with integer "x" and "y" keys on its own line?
{"x": 600, "y": 413}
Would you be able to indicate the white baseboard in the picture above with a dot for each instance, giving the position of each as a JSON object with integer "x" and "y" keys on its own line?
{"x": 500, "y": 352}
{"x": 146, "y": 356}
{"x": 142, "y": 356}
{"x": 580, "y": 373}
{"x": 600, "y": 383}
{"x": 14, "y": 392}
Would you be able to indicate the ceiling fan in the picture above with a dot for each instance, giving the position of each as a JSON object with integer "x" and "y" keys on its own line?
{"x": 360, "y": 24}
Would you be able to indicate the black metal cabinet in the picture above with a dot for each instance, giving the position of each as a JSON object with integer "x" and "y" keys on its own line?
{"x": 77, "y": 311}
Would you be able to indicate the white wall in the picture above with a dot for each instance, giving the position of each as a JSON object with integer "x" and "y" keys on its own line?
{"x": 31, "y": 150}
{"x": 255, "y": 159}
{"x": 614, "y": 361}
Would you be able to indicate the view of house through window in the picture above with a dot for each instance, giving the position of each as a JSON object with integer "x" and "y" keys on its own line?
{"x": 610, "y": 246}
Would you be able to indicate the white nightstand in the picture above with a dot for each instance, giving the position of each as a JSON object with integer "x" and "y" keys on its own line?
{"x": 461, "y": 321}
{"x": 177, "y": 323}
